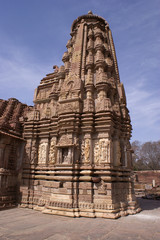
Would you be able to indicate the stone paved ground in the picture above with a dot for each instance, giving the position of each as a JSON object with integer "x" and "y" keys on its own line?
{"x": 27, "y": 224}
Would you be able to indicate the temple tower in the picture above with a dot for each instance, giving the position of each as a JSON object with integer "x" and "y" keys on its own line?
{"x": 78, "y": 156}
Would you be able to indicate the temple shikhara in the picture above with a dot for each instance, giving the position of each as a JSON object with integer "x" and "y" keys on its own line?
{"x": 77, "y": 156}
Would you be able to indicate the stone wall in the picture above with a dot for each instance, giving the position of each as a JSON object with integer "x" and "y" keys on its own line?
{"x": 11, "y": 150}
{"x": 146, "y": 180}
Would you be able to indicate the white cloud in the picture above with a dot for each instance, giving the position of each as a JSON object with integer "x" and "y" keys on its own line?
{"x": 20, "y": 72}
{"x": 144, "y": 106}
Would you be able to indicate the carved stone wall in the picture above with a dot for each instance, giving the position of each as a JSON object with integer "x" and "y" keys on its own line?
{"x": 102, "y": 151}
{"x": 43, "y": 153}
{"x": 77, "y": 157}
{"x": 11, "y": 150}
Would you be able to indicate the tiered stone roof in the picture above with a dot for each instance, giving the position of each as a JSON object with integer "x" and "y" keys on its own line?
{"x": 10, "y": 112}
{"x": 78, "y": 157}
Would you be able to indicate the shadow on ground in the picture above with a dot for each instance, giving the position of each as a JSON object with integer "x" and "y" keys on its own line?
{"x": 148, "y": 204}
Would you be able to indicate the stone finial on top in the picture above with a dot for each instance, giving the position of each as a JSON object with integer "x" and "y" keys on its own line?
{"x": 90, "y": 12}
{"x": 56, "y": 68}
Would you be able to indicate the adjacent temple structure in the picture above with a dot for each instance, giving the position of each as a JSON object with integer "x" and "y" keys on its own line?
{"x": 77, "y": 159}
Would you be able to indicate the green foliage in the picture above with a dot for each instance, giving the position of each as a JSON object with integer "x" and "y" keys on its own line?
{"x": 146, "y": 156}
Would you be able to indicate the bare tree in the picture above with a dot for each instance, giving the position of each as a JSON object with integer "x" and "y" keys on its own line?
{"x": 146, "y": 156}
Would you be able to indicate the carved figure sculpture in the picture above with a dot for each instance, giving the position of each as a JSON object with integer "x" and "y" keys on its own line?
{"x": 87, "y": 150}
{"x": 52, "y": 152}
{"x": 42, "y": 153}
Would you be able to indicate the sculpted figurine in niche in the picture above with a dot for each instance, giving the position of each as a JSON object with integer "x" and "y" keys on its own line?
{"x": 102, "y": 151}
{"x": 104, "y": 148}
{"x": 42, "y": 153}
{"x": 87, "y": 150}
{"x": 52, "y": 152}
{"x": 66, "y": 155}
{"x": 88, "y": 103}
{"x": 102, "y": 103}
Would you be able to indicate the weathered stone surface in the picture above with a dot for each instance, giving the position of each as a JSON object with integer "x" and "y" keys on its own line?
{"x": 11, "y": 150}
{"x": 78, "y": 155}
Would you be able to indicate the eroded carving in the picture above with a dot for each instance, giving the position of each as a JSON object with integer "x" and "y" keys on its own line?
{"x": 52, "y": 152}
{"x": 102, "y": 151}
{"x": 42, "y": 153}
{"x": 65, "y": 140}
{"x": 85, "y": 151}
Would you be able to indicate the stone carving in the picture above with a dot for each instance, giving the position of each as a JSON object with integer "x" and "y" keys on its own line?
{"x": 52, "y": 152}
{"x": 102, "y": 151}
{"x": 88, "y": 105}
{"x": 96, "y": 154}
{"x": 102, "y": 187}
{"x": 65, "y": 140}
{"x": 34, "y": 154}
{"x": 32, "y": 115}
{"x": 48, "y": 112}
{"x": 70, "y": 87}
{"x": 69, "y": 107}
{"x": 85, "y": 148}
{"x": 66, "y": 155}
{"x": 116, "y": 108}
{"x": 27, "y": 152}
{"x": 42, "y": 153}
{"x": 103, "y": 103}
{"x": 117, "y": 153}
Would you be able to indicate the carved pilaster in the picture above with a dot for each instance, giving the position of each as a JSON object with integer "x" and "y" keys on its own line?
{"x": 52, "y": 151}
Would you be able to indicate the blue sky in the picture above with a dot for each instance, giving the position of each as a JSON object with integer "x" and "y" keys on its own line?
{"x": 33, "y": 37}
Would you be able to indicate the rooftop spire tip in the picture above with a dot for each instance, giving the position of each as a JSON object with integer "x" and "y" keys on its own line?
{"x": 90, "y": 12}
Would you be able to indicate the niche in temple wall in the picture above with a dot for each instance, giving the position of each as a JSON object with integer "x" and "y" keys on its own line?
{"x": 102, "y": 151}
{"x": 43, "y": 152}
{"x": 65, "y": 149}
{"x": 65, "y": 155}
{"x": 44, "y": 110}
{"x": 86, "y": 151}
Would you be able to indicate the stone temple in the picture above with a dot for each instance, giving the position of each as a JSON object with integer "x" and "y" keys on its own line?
{"x": 77, "y": 157}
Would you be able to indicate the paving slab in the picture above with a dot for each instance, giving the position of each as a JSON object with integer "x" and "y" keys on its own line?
{"x": 27, "y": 224}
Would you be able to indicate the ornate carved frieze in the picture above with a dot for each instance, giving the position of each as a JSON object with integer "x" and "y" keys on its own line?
{"x": 71, "y": 106}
